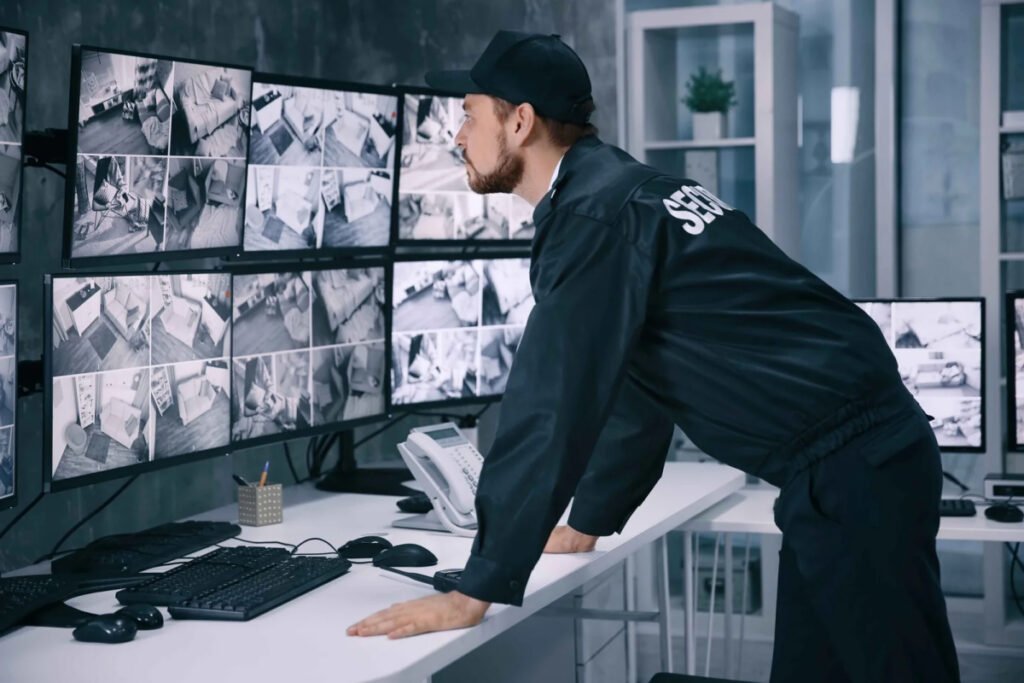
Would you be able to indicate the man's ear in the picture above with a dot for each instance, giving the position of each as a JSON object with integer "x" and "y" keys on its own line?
{"x": 524, "y": 123}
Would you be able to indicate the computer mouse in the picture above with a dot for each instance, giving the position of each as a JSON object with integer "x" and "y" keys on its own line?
{"x": 405, "y": 555}
{"x": 146, "y": 617}
{"x": 1004, "y": 512}
{"x": 108, "y": 628}
{"x": 364, "y": 547}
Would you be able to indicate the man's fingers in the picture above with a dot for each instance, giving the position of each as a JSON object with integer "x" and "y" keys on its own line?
{"x": 409, "y": 629}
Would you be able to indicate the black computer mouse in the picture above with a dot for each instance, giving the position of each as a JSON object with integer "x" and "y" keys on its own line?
{"x": 146, "y": 617}
{"x": 364, "y": 547}
{"x": 1004, "y": 512}
{"x": 108, "y": 628}
{"x": 405, "y": 555}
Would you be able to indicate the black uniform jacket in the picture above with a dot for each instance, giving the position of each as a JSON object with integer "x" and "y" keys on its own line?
{"x": 658, "y": 304}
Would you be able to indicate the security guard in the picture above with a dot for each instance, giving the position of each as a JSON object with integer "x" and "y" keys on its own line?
{"x": 658, "y": 304}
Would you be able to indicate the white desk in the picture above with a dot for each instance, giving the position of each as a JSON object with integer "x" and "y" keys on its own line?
{"x": 749, "y": 511}
{"x": 305, "y": 639}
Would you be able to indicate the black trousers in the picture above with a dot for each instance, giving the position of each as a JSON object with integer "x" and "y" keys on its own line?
{"x": 859, "y": 597}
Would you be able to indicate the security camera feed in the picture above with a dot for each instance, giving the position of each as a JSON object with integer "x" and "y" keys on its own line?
{"x": 456, "y": 327}
{"x": 434, "y": 200}
{"x": 938, "y": 347}
{"x": 13, "y": 64}
{"x": 140, "y": 369}
{"x": 161, "y": 156}
{"x": 8, "y": 386}
{"x": 309, "y": 350}
{"x": 321, "y": 168}
{"x": 1016, "y": 321}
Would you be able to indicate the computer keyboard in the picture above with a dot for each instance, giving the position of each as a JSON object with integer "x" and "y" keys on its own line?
{"x": 263, "y": 589}
{"x": 20, "y": 596}
{"x": 956, "y": 507}
{"x": 217, "y": 568}
{"x": 131, "y": 553}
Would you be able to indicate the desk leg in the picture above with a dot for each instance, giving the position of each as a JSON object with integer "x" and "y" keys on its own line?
{"x": 728, "y": 606}
{"x": 664, "y": 606}
{"x": 691, "y": 606}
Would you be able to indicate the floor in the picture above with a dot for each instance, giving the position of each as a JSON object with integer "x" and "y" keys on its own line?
{"x": 337, "y": 155}
{"x": 757, "y": 656}
{"x": 423, "y": 312}
{"x": 371, "y": 230}
{"x": 257, "y": 333}
{"x": 113, "y": 235}
{"x": 287, "y": 240}
{"x": 209, "y": 430}
{"x": 169, "y": 349}
{"x": 263, "y": 153}
{"x": 73, "y": 465}
{"x": 76, "y": 356}
{"x": 109, "y": 133}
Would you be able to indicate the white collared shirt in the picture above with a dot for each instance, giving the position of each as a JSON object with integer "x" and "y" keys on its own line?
{"x": 555, "y": 174}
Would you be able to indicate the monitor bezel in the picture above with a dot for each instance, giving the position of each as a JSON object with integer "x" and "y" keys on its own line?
{"x": 342, "y": 86}
{"x": 953, "y": 299}
{"x": 396, "y": 240}
{"x": 12, "y": 500}
{"x": 11, "y": 257}
{"x": 1010, "y": 297}
{"x": 448, "y": 256}
{"x": 72, "y": 165}
{"x": 294, "y": 266}
{"x": 50, "y": 484}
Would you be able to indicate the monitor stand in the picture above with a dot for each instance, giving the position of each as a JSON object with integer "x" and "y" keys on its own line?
{"x": 424, "y": 522}
{"x": 348, "y": 477}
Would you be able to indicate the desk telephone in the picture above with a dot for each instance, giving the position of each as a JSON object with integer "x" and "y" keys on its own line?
{"x": 448, "y": 466}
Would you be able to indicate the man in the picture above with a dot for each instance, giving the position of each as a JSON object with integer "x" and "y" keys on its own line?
{"x": 657, "y": 304}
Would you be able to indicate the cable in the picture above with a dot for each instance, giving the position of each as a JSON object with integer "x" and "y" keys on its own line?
{"x": 21, "y": 514}
{"x": 963, "y": 487}
{"x": 388, "y": 425}
{"x": 1014, "y": 562}
{"x": 85, "y": 519}
{"x": 291, "y": 465}
{"x": 243, "y": 540}
{"x": 315, "y": 538}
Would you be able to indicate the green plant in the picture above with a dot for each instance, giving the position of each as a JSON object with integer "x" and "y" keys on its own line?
{"x": 707, "y": 91}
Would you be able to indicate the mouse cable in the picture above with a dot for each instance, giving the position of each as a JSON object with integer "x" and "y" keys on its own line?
{"x": 21, "y": 514}
{"x": 85, "y": 519}
{"x": 1014, "y": 562}
{"x": 314, "y": 538}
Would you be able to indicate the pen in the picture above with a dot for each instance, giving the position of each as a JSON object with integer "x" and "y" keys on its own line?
{"x": 240, "y": 480}
{"x": 263, "y": 477}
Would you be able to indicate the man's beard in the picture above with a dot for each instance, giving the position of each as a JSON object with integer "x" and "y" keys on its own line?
{"x": 504, "y": 179}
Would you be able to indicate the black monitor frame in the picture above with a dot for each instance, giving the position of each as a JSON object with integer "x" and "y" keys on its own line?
{"x": 49, "y": 483}
{"x": 19, "y": 213}
{"x": 72, "y": 165}
{"x": 12, "y": 500}
{"x": 965, "y": 299}
{"x": 1011, "y": 375}
{"x": 339, "y": 86}
{"x": 447, "y": 256}
{"x": 449, "y": 244}
{"x": 304, "y": 266}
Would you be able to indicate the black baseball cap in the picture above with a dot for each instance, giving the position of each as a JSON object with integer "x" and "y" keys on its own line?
{"x": 526, "y": 67}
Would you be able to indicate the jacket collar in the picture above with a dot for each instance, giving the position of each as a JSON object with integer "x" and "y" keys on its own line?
{"x": 570, "y": 163}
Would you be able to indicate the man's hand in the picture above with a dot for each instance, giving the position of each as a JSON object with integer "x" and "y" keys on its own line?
{"x": 565, "y": 539}
{"x": 435, "y": 613}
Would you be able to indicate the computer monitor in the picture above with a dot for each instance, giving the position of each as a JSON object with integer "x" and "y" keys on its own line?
{"x": 8, "y": 392}
{"x": 456, "y": 327}
{"x": 939, "y": 347}
{"x": 13, "y": 81}
{"x": 309, "y": 350}
{"x": 321, "y": 166}
{"x": 1015, "y": 369}
{"x": 435, "y": 203}
{"x": 158, "y": 157}
{"x": 138, "y": 372}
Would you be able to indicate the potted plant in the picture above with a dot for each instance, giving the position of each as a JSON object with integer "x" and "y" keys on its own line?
{"x": 709, "y": 97}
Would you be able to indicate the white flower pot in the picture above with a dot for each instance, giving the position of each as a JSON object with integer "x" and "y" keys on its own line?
{"x": 708, "y": 125}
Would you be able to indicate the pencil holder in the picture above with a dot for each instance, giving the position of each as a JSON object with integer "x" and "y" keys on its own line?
{"x": 260, "y": 505}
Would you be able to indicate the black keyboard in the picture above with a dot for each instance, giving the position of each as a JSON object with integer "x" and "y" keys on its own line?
{"x": 131, "y": 553}
{"x": 956, "y": 507}
{"x": 20, "y": 596}
{"x": 262, "y": 590}
{"x": 217, "y": 568}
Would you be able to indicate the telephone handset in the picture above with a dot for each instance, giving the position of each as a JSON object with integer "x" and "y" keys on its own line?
{"x": 448, "y": 467}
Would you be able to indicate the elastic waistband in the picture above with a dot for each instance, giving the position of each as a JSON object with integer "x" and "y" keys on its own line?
{"x": 887, "y": 405}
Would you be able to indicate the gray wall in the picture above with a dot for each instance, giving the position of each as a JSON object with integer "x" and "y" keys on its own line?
{"x": 376, "y": 41}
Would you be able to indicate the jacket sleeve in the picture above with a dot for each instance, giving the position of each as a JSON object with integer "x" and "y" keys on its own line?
{"x": 625, "y": 465}
{"x": 591, "y": 287}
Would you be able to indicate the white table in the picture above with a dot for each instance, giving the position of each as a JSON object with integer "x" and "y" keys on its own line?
{"x": 305, "y": 639}
{"x": 749, "y": 511}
